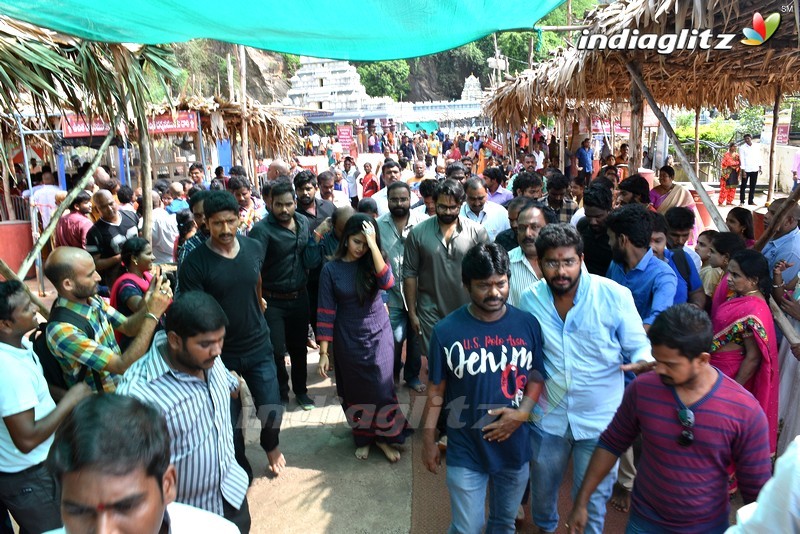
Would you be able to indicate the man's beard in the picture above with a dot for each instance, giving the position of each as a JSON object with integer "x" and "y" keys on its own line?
{"x": 447, "y": 219}
{"x": 618, "y": 255}
{"x": 399, "y": 211}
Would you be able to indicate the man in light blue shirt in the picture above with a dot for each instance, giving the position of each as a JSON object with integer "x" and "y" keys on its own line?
{"x": 493, "y": 217}
{"x": 589, "y": 326}
{"x": 785, "y": 245}
{"x": 585, "y": 156}
{"x": 651, "y": 281}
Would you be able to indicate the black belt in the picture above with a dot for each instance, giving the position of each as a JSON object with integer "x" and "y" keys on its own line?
{"x": 278, "y": 295}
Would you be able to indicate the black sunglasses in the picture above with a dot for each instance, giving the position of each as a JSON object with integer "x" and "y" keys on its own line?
{"x": 686, "y": 417}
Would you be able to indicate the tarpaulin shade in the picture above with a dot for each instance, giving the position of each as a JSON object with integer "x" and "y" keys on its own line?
{"x": 364, "y": 30}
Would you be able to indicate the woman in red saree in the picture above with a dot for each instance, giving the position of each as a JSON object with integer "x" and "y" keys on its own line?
{"x": 729, "y": 177}
{"x": 744, "y": 345}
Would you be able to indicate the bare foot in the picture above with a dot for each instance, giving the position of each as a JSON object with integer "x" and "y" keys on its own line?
{"x": 392, "y": 454}
{"x": 362, "y": 453}
{"x": 277, "y": 462}
{"x": 620, "y": 498}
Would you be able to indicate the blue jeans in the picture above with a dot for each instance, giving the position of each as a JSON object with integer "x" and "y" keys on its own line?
{"x": 551, "y": 455}
{"x": 401, "y": 329}
{"x": 468, "y": 499}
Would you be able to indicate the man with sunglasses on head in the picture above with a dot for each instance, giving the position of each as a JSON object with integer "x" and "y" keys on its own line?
{"x": 694, "y": 422}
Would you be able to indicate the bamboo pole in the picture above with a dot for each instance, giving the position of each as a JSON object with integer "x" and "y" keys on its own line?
{"x": 718, "y": 219}
{"x": 8, "y": 274}
{"x": 775, "y": 113}
{"x": 8, "y": 206}
{"x": 45, "y": 236}
{"x": 243, "y": 102}
{"x": 697, "y": 141}
{"x": 147, "y": 177}
{"x": 637, "y": 120}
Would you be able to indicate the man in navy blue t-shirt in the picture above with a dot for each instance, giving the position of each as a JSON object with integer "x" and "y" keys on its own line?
{"x": 486, "y": 364}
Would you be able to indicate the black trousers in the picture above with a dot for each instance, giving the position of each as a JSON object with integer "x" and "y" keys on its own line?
{"x": 240, "y": 517}
{"x": 32, "y": 496}
{"x": 752, "y": 177}
{"x": 288, "y": 328}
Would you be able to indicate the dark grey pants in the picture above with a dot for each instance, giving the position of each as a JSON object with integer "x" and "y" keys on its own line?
{"x": 32, "y": 498}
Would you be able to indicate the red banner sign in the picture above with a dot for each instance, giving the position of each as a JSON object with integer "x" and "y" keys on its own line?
{"x": 78, "y": 126}
{"x": 345, "y": 135}
{"x": 495, "y": 147}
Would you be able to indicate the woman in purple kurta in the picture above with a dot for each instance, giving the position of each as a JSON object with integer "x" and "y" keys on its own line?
{"x": 351, "y": 315}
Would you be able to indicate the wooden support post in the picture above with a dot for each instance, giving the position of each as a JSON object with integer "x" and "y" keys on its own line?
{"x": 243, "y": 103}
{"x": 45, "y": 236}
{"x": 147, "y": 178}
{"x": 775, "y": 113}
{"x": 710, "y": 206}
{"x": 8, "y": 274}
{"x": 697, "y": 141}
{"x": 637, "y": 120}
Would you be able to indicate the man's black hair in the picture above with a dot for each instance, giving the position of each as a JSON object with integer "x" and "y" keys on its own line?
{"x": 183, "y": 317}
{"x": 427, "y": 188}
{"x": 399, "y": 184}
{"x": 556, "y": 236}
{"x": 450, "y": 188}
{"x": 81, "y": 197}
{"x": 305, "y": 177}
{"x": 597, "y": 196}
{"x": 199, "y": 196}
{"x": 682, "y": 327}
{"x": 367, "y": 205}
{"x": 198, "y": 165}
{"x": 679, "y": 218}
{"x": 494, "y": 173}
{"x": 453, "y": 167}
{"x": 281, "y": 188}
{"x": 125, "y": 194}
{"x": 325, "y": 176}
{"x": 638, "y": 185}
{"x": 525, "y": 180}
{"x": 474, "y": 183}
{"x": 632, "y": 221}
{"x": 114, "y": 435}
{"x": 7, "y": 290}
{"x": 484, "y": 260}
{"x": 659, "y": 223}
{"x": 238, "y": 182}
{"x": 218, "y": 201}
{"x": 389, "y": 164}
{"x": 237, "y": 170}
{"x": 557, "y": 182}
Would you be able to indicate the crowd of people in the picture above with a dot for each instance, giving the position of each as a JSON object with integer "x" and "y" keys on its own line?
{"x": 581, "y": 317}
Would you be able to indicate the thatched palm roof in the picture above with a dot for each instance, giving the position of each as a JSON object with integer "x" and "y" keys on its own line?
{"x": 222, "y": 119}
{"x": 54, "y": 70}
{"x": 691, "y": 78}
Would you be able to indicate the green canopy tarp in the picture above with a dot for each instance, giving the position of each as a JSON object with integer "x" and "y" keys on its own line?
{"x": 365, "y": 30}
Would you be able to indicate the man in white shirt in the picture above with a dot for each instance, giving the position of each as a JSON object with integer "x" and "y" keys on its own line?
{"x": 327, "y": 191}
{"x": 493, "y": 217}
{"x": 391, "y": 173}
{"x": 44, "y": 198}
{"x": 165, "y": 231}
{"x": 112, "y": 459}
{"x": 750, "y": 156}
{"x": 523, "y": 262}
{"x": 538, "y": 153}
{"x": 30, "y": 417}
{"x": 350, "y": 175}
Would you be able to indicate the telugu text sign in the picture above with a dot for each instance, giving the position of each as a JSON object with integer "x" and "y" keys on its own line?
{"x": 79, "y": 125}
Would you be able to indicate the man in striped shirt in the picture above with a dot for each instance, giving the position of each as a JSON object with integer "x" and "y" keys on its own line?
{"x": 694, "y": 422}
{"x": 184, "y": 377}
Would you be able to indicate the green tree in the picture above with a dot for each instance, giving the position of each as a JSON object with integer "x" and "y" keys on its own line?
{"x": 750, "y": 120}
{"x": 385, "y": 78}
{"x": 292, "y": 63}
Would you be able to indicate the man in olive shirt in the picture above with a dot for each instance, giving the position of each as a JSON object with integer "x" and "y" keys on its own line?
{"x": 432, "y": 264}
{"x": 290, "y": 250}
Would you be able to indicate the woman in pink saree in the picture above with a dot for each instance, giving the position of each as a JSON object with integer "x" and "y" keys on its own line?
{"x": 744, "y": 346}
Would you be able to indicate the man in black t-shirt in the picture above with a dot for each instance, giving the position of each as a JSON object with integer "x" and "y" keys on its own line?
{"x": 228, "y": 267}
{"x": 106, "y": 237}
{"x": 597, "y": 253}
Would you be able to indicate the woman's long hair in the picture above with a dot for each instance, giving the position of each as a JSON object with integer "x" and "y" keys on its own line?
{"x": 745, "y": 217}
{"x": 132, "y": 248}
{"x": 366, "y": 280}
{"x": 753, "y": 264}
